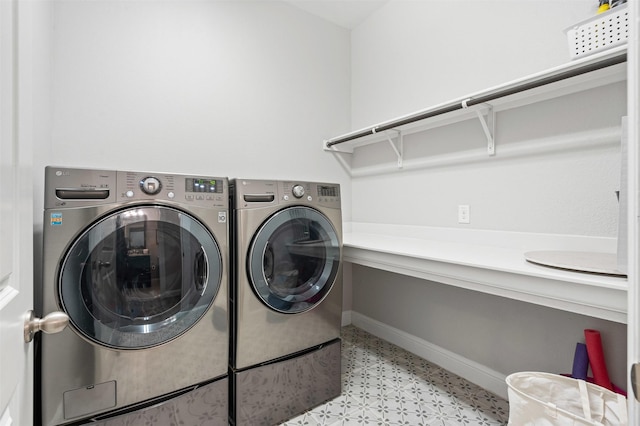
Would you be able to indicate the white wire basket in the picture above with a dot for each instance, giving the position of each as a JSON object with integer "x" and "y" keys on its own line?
{"x": 603, "y": 31}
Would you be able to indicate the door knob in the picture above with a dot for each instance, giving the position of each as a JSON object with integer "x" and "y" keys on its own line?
{"x": 635, "y": 378}
{"x": 55, "y": 322}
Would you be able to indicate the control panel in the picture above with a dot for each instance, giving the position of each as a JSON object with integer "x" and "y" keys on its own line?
{"x": 67, "y": 187}
{"x": 326, "y": 194}
{"x": 199, "y": 190}
{"x": 251, "y": 193}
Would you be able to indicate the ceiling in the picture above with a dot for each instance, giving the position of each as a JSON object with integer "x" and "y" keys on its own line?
{"x": 345, "y": 13}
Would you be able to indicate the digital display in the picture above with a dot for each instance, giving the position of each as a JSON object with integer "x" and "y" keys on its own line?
{"x": 202, "y": 185}
{"x": 327, "y": 191}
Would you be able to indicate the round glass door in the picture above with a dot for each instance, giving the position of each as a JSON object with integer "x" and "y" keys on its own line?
{"x": 294, "y": 259}
{"x": 140, "y": 277}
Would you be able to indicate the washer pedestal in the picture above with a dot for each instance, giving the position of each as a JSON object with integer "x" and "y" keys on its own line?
{"x": 271, "y": 393}
{"x": 207, "y": 403}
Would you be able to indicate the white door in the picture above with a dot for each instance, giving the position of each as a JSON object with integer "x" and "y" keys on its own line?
{"x": 633, "y": 318}
{"x": 16, "y": 224}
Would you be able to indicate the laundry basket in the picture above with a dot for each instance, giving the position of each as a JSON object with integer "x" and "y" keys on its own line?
{"x": 545, "y": 399}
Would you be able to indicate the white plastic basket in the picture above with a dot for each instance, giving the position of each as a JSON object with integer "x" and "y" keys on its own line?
{"x": 600, "y": 32}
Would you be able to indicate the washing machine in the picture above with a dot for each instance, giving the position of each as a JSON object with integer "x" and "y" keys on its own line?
{"x": 286, "y": 298}
{"x": 139, "y": 263}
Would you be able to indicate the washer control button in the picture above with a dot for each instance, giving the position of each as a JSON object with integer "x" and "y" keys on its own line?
{"x": 129, "y": 194}
{"x": 150, "y": 185}
{"x": 171, "y": 195}
{"x": 286, "y": 198}
{"x": 298, "y": 191}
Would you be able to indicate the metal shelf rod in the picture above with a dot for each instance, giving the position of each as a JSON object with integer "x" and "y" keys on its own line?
{"x": 523, "y": 87}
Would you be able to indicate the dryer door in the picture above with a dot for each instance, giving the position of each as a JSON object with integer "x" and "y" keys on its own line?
{"x": 294, "y": 259}
{"x": 139, "y": 277}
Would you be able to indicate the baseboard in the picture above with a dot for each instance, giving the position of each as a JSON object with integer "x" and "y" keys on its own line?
{"x": 474, "y": 372}
{"x": 346, "y": 317}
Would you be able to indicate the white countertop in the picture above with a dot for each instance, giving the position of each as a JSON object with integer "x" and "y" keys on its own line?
{"x": 491, "y": 262}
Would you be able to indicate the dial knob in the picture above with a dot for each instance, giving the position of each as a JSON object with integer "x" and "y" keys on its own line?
{"x": 150, "y": 185}
{"x": 298, "y": 191}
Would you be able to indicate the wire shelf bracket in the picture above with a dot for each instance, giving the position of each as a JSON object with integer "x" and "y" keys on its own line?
{"x": 334, "y": 148}
{"x": 396, "y": 148}
{"x": 488, "y": 122}
{"x": 342, "y": 161}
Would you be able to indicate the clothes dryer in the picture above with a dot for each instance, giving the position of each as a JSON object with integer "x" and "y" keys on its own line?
{"x": 286, "y": 298}
{"x": 139, "y": 263}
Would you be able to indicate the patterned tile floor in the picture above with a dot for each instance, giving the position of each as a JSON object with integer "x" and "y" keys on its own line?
{"x": 383, "y": 384}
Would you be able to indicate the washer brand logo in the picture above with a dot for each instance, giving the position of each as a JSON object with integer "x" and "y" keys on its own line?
{"x": 56, "y": 219}
{"x": 62, "y": 173}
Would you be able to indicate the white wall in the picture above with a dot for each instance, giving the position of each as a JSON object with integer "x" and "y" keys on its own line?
{"x": 42, "y": 42}
{"x": 552, "y": 171}
{"x": 416, "y": 54}
{"x": 502, "y": 335}
{"x": 226, "y": 88}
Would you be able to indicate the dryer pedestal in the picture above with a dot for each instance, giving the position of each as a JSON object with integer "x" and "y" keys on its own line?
{"x": 208, "y": 403}
{"x": 272, "y": 393}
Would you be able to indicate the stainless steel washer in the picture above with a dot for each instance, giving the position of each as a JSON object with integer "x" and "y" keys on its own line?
{"x": 286, "y": 298}
{"x": 139, "y": 263}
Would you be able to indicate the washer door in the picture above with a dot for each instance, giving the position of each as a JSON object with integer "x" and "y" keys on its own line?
{"x": 140, "y": 277}
{"x": 294, "y": 259}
